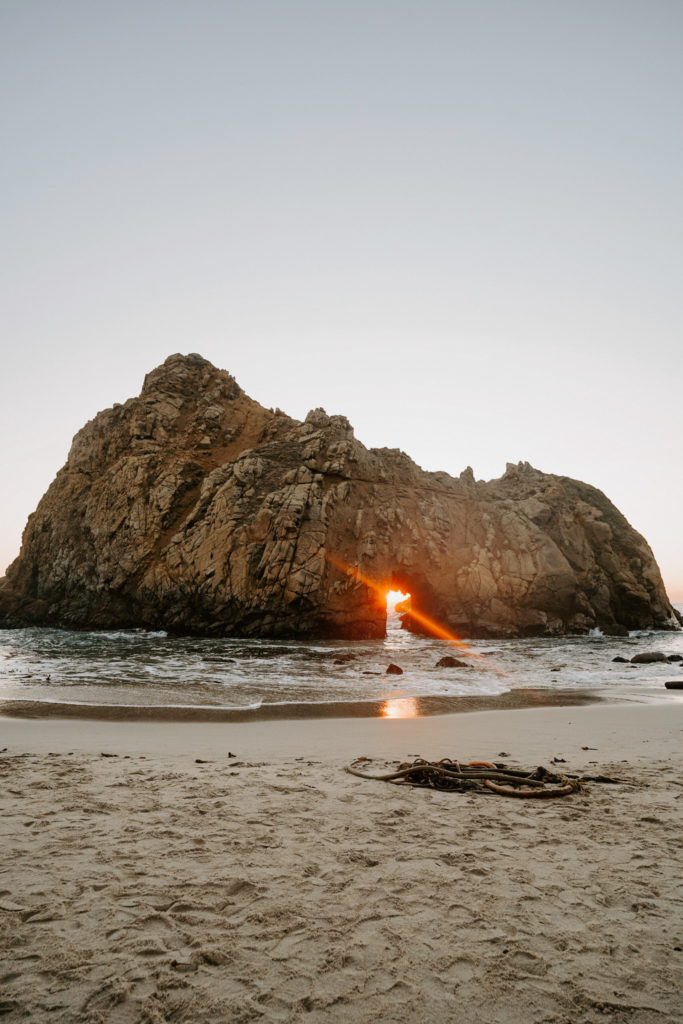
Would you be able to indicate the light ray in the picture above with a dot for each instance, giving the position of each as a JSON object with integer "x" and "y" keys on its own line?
{"x": 395, "y": 598}
{"x": 429, "y": 624}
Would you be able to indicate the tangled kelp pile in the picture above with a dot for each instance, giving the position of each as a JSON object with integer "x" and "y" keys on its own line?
{"x": 480, "y": 776}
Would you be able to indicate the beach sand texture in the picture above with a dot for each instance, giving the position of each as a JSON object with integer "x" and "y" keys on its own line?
{"x": 284, "y": 889}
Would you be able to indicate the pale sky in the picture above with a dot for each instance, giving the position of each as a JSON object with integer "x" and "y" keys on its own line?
{"x": 457, "y": 222}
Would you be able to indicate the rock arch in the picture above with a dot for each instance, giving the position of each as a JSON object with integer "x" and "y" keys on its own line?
{"x": 194, "y": 509}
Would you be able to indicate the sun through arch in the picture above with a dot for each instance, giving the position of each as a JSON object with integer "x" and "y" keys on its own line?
{"x": 396, "y": 598}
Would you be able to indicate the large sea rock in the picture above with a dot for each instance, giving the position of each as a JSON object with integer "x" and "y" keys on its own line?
{"x": 194, "y": 509}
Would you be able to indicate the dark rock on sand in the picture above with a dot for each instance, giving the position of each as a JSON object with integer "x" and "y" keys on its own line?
{"x": 648, "y": 656}
{"x": 674, "y": 657}
{"x": 674, "y": 684}
{"x": 450, "y": 662}
{"x": 619, "y": 658}
{"x": 394, "y": 670}
{"x": 194, "y": 509}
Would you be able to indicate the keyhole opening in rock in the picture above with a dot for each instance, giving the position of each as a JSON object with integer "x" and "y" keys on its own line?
{"x": 398, "y": 602}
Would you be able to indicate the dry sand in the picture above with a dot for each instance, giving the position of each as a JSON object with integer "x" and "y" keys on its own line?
{"x": 273, "y": 886}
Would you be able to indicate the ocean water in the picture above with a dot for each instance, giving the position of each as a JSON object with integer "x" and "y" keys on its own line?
{"x": 134, "y": 668}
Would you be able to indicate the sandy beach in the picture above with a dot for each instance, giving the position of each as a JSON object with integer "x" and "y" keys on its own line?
{"x": 214, "y": 871}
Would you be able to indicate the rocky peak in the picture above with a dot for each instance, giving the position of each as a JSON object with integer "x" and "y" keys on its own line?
{"x": 190, "y": 377}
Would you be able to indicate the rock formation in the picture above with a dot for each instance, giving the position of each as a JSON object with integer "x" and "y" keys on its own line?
{"x": 194, "y": 509}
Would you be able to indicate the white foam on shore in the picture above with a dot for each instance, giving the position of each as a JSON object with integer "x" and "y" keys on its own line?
{"x": 141, "y": 669}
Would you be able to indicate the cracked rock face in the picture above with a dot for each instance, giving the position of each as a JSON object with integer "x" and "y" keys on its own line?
{"x": 193, "y": 509}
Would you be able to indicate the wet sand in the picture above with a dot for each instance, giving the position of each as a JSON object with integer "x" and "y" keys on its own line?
{"x": 405, "y": 707}
{"x": 224, "y": 871}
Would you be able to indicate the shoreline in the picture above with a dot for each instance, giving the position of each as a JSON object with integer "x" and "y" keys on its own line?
{"x": 578, "y": 734}
{"x": 390, "y": 707}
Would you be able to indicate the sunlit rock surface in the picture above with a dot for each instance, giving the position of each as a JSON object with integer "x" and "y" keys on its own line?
{"x": 192, "y": 508}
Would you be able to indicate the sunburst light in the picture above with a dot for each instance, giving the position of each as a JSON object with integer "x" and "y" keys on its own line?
{"x": 395, "y": 597}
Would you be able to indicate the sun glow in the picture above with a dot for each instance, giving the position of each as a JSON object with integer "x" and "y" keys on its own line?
{"x": 428, "y": 624}
{"x": 403, "y": 707}
{"x": 408, "y": 707}
{"x": 395, "y": 597}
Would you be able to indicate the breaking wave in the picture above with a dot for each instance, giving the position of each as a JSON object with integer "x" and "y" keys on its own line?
{"x": 134, "y": 668}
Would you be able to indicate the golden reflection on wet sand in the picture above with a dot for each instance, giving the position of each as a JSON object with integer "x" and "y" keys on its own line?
{"x": 401, "y": 707}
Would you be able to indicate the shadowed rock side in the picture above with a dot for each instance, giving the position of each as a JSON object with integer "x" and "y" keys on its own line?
{"x": 194, "y": 509}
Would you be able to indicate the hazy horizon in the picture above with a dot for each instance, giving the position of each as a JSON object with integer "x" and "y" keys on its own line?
{"x": 457, "y": 223}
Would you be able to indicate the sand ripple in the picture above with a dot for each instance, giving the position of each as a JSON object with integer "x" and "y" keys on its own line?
{"x": 134, "y": 890}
